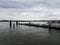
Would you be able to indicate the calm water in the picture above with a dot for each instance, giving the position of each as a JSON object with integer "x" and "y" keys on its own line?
{"x": 27, "y": 35}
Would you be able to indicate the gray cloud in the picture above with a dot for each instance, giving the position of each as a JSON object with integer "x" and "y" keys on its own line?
{"x": 12, "y": 4}
{"x": 28, "y": 4}
{"x": 30, "y": 9}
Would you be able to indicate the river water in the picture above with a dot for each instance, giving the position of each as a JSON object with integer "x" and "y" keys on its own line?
{"x": 28, "y": 35}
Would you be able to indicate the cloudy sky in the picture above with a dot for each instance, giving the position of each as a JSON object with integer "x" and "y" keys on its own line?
{"x": 30, "y": 9}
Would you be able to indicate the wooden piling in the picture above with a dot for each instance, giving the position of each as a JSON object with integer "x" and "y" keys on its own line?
{"x": 49, "y": 26}
{"x": 13, "y": 25}
{"x": 29, "y": 22}
{"x": 10, "y": 24}
{"x": 16, "y": 23}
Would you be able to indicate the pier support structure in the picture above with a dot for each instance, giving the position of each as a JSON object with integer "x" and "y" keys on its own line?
{"x": 29, "y": 22}
{"x": 10, "y": 24}
{"x": 16, "y": 23}
{"x": 49, "y": 23}
{"x": 13, "y": 24}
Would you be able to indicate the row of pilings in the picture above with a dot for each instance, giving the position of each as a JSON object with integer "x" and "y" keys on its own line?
{"x": 13, "y": 25}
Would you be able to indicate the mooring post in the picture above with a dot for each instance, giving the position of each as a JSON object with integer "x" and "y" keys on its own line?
{"x": 29, "y": 22}
{"x": 16, "y": 23}
{"x": 13, "y": 25}
{"x": 49, "y": 26}
{"x": 10, "y": 24}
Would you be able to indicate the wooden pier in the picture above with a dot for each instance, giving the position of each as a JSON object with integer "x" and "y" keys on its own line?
{"x": 11, "y": 24}
{"x": 38, "y": 25}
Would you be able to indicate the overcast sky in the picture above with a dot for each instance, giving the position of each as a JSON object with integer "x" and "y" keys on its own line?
{"x": 30, "y": 9}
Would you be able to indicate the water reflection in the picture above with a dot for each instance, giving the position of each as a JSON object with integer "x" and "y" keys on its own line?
{"x": 28, "y": 35}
